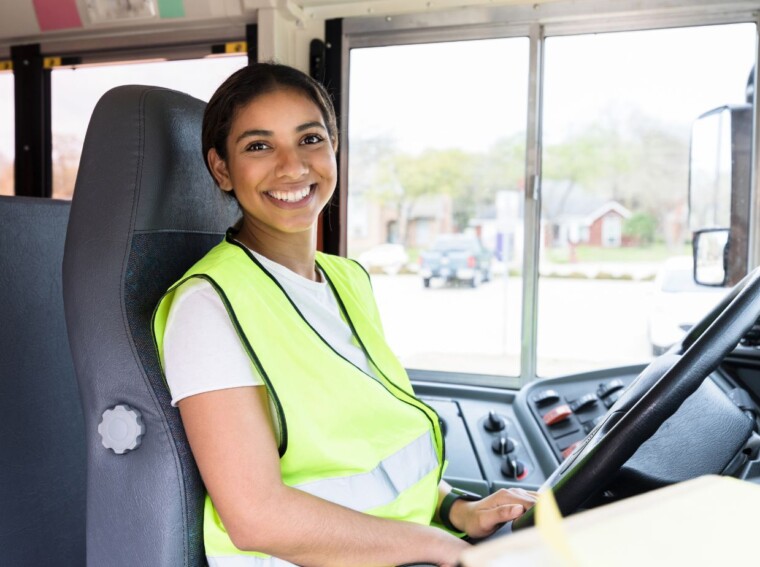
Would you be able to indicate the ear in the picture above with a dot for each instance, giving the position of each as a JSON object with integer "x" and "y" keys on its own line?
{"x": 335, "y": 144}
{"x": 219, "y": 168}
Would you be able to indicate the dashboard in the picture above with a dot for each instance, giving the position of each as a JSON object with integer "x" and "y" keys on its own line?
{"x": 505, "y": 438}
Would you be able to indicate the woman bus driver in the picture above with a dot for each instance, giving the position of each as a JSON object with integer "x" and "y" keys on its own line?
{"x": 308, "y": 437}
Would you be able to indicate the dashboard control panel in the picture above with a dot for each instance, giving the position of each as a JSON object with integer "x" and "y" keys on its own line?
{"x": 485, "y": 446}
{"x": 463, "y": 469}
{"x": 506, "y": 438}
{"x": 567, "y": 412}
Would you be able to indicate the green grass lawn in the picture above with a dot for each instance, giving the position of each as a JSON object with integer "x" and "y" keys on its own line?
{"x": 653, "y": 253}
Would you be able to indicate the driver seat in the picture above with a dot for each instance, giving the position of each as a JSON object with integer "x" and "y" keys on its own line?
{"x": 144, "y": 210}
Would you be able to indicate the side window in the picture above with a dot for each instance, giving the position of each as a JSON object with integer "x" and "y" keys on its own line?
{"x": 7, "y": 133}
{"x": 75, "y": 91}
{"x": 615, "y": 283}
{"x": 436, "y": 166}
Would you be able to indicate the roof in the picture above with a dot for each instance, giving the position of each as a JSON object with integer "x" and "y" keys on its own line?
{"x": 567, "y": 201}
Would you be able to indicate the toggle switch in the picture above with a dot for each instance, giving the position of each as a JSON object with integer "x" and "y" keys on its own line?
{"x": 607, "y": 388}
{"x": 557, "y": 415}
{"x": 584, "y": 402}
{"x": 545, "y": 397}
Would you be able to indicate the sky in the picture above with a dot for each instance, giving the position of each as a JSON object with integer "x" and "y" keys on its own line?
{"x": 469, "y": 94}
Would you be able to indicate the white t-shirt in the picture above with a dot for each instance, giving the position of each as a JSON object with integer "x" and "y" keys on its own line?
{"x": 203, "y": 353}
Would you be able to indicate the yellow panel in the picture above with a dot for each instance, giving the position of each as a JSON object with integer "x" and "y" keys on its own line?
{"x": 50, "y": 62}
{"x": 236, "y": 47}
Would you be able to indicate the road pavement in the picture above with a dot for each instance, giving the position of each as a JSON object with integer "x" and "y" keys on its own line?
{"x": 583, "y": 324}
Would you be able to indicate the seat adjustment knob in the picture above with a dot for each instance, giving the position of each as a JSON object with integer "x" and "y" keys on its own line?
{"x": 121, "y": 429}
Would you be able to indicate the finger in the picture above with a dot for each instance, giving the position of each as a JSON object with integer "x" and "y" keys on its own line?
{"x": 508, "y": 513}
{"x": 490, "y": 519}
{"x": 529, "y": 494}
{"x": 513, "y": 496}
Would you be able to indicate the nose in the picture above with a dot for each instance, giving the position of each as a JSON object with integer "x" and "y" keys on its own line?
{"x": 290, "y": 164}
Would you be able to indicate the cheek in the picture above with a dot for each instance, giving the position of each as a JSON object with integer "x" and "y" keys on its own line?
{"x": 327, "y": 166}
{"x": 252, "y": 170}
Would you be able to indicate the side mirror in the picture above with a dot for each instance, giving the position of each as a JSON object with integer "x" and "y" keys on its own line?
{"x": 711, "y": 256}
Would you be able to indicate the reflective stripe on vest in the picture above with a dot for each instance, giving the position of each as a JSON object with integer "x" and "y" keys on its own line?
{"x": 359, "y": 492}
{"x": 247, "y": 561}
{"x": 383, "y": 484}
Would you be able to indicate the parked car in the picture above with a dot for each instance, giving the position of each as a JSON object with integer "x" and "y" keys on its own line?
{"x": 678, "y": 302}
{"x": 456, "y": 258}
{"x": 387, "y": 258}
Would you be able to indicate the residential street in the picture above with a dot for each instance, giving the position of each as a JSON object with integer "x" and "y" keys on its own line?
{"x": 583, "y": 324}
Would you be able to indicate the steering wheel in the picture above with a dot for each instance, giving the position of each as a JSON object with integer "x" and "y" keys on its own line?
{"x": 652, "y": 398}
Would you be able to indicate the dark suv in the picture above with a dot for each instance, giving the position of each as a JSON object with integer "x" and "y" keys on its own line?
{"x": 456, "y": 258}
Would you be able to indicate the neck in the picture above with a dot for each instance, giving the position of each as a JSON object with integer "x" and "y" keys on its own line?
{"x": 295, "y": 251}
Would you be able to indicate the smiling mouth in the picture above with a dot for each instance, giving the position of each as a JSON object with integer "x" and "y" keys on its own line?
{"x": 292, "y": 196}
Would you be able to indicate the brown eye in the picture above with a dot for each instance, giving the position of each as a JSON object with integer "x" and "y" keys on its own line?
{"x": 312, "y": 139}
{"x": 256, "y": 147}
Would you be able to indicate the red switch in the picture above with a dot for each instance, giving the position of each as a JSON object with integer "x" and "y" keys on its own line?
{"x": 569, "y": 451}
{"x": 558, "y": 414}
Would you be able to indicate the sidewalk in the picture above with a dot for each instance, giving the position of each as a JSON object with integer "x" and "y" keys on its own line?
{"x": 606, "y": 270}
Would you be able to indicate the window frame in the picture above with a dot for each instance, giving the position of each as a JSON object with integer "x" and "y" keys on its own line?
{"x": 95, "y": 50}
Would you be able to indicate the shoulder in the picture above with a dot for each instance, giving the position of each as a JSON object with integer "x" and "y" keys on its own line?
{"x": 195, "y": 299}
{"x": 218, "y": 258}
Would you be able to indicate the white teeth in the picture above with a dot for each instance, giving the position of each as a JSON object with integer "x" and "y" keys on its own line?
{"x": 290, "y": 196}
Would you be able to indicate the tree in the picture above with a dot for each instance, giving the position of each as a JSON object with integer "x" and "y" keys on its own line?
{"x": 595, "y": 158}
{"x": 628, "y": 157}
{"x": 640, "y": 228}
{"x": 439, "y": 172}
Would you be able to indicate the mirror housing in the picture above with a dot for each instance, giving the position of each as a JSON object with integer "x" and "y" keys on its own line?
{"x": 711, "y": 248}
{"x": 719, "y": 192}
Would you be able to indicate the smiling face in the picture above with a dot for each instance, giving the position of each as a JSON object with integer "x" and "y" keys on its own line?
{"x": 280, "y": 162}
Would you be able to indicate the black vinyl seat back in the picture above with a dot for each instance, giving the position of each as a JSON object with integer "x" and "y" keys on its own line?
{"x": 144, "y": 210}
{"x": 42, "y": 445}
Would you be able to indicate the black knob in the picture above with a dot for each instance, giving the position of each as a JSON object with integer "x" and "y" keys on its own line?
{"x": 494, "y": 422}
{"x": 444, "y": 425}
{"x": 512, "y": 468}
{"x": 503, "y": 445}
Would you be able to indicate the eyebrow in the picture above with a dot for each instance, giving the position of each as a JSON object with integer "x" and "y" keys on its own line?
{"x": 269, "y": 133}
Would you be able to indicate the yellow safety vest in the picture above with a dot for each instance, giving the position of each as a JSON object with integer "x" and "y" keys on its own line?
{"x": 367, "y": 444}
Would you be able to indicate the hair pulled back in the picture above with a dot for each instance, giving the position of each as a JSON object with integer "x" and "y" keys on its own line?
{"x": 245, "y": 85}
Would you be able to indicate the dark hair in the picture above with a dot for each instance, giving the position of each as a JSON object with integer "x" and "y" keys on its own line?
{"x": 248, "y": 83}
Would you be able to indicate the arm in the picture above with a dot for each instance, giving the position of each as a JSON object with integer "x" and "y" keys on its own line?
{"x": 231, "y": 437}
